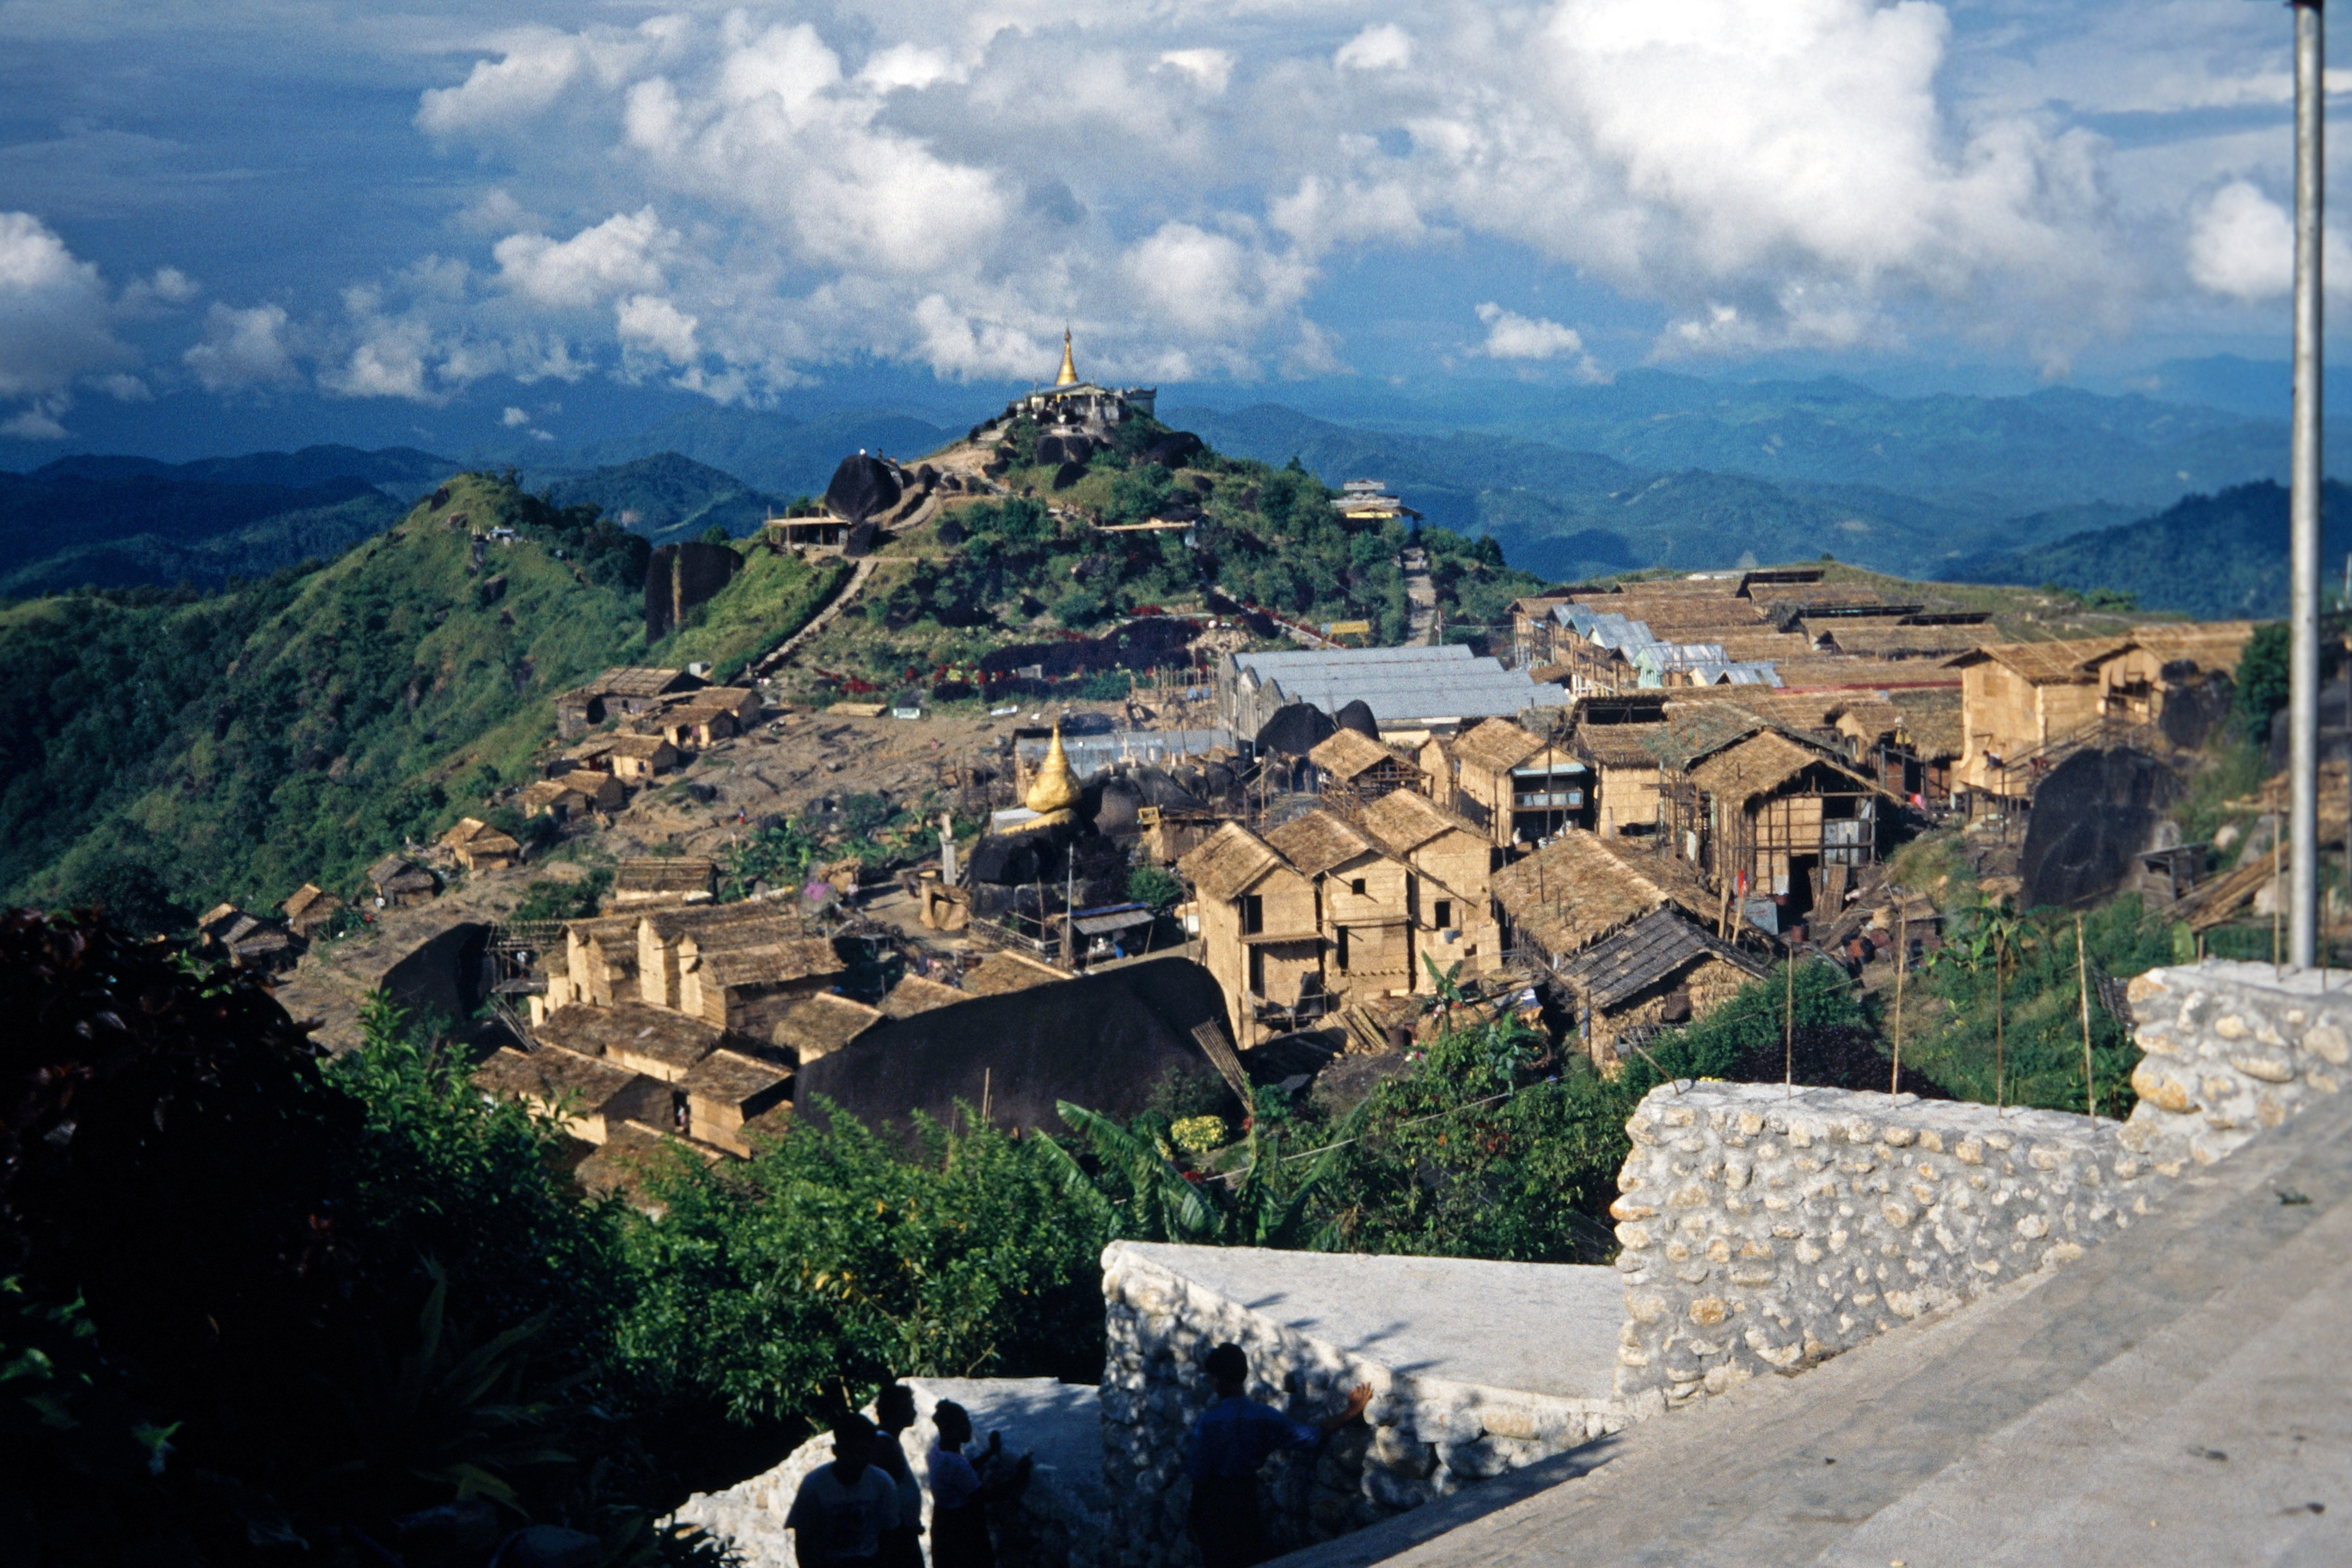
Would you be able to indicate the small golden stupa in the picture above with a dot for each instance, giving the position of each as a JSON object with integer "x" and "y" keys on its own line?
{"x": 1069, "y": 376}
{"x": 1053, "y": 792}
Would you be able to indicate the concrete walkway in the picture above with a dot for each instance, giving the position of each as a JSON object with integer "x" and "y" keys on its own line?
{"x": 1420, "y": 599}
{"x": 2182, "y": 1395}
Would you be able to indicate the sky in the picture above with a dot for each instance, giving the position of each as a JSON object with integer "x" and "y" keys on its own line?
{"x": 519, "y": 208}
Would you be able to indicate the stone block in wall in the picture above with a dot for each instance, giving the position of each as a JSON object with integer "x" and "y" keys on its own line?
{"x": 2232, "y": 1050}
{"x": 1476, "y": 1368}
{"x": 1062, "y": 1520}
{"x": 1764, "y": 1230}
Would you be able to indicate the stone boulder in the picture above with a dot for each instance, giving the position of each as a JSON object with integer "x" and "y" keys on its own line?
{"x": 1068, "y": 474}
{"x": 1173, "y": 450}
{"x": 1064, "y": 449}
{"x": 862, "y": 486}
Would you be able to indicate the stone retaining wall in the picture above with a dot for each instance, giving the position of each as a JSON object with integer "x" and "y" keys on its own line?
{"x": 1423, "y": 1436}
{"x": 2232, "y": 1049}
{"x": 1764, "y": 1231}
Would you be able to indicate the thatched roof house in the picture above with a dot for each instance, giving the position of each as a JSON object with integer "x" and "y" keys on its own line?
{"x": 653, "y": 879}
{"x": 1581, "y": 887}
{"x": 399, "y": 882}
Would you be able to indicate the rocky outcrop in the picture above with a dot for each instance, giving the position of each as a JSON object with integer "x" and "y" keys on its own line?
{"x": 680, "y": 577}
{"x": 862, "y": 486}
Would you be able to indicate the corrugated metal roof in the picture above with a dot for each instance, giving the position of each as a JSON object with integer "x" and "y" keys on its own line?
{"x": 1403, "y": 684}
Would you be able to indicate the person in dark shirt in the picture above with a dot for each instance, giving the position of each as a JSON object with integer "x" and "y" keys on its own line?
{"x": 841, "y": 1510}
{"x": 1231, "y": 1440}
{"x": 894, "y": 1409}
{"x": 960, "y": 1493}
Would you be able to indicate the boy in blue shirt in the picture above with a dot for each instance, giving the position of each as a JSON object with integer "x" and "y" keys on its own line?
{"x": 1231, "y": 1440}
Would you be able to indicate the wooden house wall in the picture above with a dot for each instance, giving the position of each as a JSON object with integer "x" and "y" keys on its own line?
{"x": 1628, "y": 798}
{"x": 657, "y": 974}
{"x": 1370, "y": 932}
{"x": 1263, "y": 966}
{"x": 1436, "y": 765}
{"x": 1225, "y": 956}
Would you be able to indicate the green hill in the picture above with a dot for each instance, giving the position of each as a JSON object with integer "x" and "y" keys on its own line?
{"x": 669, "y": 496}
{"x": 2214, "y": 557}
{"x": 115, "y": 521}
{"x": 238, "y": 744}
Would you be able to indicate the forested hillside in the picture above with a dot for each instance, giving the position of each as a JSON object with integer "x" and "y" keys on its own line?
{"x": 669, "y": 496}
{"x": 112, "y": 522}
{"x": 162, "y": 744}
{"x": 2215, "y": 557}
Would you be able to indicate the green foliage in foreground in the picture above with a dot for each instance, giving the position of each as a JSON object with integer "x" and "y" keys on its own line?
{"x": 259, "y": 1300}
{"x": 2010, "y": 1029}
{"x": 796, "y": 1282}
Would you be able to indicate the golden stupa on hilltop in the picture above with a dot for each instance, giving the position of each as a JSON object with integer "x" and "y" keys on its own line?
{"x": 1069, "y": 376}
{"x": 1053, "y": 792}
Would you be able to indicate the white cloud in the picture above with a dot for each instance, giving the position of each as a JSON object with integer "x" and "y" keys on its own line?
{"x": 1382, "y": 47}
{"x": 2241, "y": 243}
{"x": 621, "y": 253}
{"x": 909, "y": 66}
{"x": 38, "y": 422}
{"x": 514, "y": 418}
{"x": 653, "y": 325}
{"x": 242, "y": 348}
{"x": 1210, "y": 68}
{"x": 1512, "y": 336}
{"x": 1825, "y": 173}
{"x": 56, "y": 320}
{"x": 534, "y": 72}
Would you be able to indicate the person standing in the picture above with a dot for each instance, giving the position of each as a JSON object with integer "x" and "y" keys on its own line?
{"x": 894, "y": 1409}
{"x": 959, "y": 1496}
{"x": 841, "y": 1510}
{"x": 1231, "y": 1439}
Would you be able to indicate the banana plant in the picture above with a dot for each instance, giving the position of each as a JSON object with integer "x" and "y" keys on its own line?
{"x": 1245, "y": 1209}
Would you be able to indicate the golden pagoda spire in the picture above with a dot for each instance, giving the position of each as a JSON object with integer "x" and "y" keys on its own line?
{"x": 1069, "y": 377}
{"x": 1052, "y": 792}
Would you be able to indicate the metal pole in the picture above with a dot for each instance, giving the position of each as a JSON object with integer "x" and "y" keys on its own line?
{"x": 2302, "y": 716}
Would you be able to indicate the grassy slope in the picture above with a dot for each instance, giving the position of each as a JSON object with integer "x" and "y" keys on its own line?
{"x": 250, "y": 742}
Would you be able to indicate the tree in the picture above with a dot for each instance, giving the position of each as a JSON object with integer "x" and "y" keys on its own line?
{"x": 2262, "y": 681}
{"x": 1155, "y": 889}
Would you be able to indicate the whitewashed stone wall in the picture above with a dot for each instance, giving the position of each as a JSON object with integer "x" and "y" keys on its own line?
{"x": 2232, "y": 1050}
{"x": 1763, "y": 1230}
{"x": 1314, "y": 1325}
{"x": 1061, "y": 1522}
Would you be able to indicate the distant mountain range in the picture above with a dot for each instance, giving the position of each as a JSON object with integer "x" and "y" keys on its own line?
{"x": 114, "y": 521}
{"x": 1653, "y": 469}
{"x": 2218, "y": 557}
{"x": 770, "y": 452}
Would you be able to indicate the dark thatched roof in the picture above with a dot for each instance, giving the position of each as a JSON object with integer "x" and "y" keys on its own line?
{"x": 1648, "y": 953}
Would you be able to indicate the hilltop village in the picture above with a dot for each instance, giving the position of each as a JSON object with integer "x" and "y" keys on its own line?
{"x": 1281, "y": 857}
{"x": 1071, "y": 899}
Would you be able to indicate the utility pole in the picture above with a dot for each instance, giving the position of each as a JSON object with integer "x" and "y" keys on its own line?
{"x": 2303, "y": 706}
